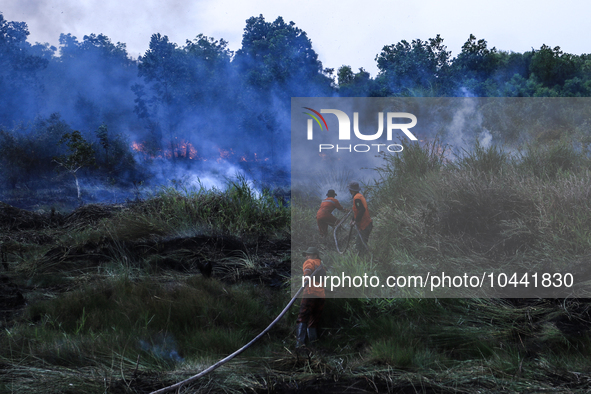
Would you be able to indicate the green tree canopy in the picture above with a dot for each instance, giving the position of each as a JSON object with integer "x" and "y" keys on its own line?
{"x": 19, "y": 69}
{"x": 278, "y": 55}
{"x": 417, "y": 65}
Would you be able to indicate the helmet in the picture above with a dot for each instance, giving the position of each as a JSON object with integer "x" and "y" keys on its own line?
{"x": 331, "y": 193}
{"x": 354, "y": 186}
{"x": 311, "y": 250}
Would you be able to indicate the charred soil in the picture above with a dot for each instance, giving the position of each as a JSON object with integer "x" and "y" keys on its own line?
{"x": 59, "y": 270}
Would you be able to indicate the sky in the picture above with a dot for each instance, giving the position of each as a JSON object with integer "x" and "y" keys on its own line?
{"x": 343, "y": 32}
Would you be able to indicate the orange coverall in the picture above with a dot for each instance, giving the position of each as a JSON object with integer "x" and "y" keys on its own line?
{"x": 313, "y": 298}
{"x": 324, "y": 216}
{"x": 362, "y": 220}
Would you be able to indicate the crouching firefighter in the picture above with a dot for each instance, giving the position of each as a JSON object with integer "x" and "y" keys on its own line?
{"x": 324, "y": 216}
{"x": 312, "y": 299}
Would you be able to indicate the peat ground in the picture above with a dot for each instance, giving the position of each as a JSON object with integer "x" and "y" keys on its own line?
{"x": 50, "y": 260}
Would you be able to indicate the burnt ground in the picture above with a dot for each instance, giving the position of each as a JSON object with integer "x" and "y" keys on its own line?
{"x": 217, "y": 256}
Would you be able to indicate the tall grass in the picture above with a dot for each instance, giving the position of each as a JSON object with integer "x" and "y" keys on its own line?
{"x": 238, "y": 210}
{"x": 484, "y": 160}
{"x": 550, "y": 160}
{"x": 100, "y": 337}
{"x": 400, "y": 171}
{"x": 160, "y": 323}
{"x": 485, "y": 205}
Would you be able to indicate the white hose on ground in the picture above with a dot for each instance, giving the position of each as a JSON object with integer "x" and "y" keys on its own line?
{"x": 237, "y": 352}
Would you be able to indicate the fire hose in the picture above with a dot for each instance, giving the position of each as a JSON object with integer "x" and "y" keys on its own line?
{"x": 336, "y": 228}
{"x": 237, "y": 352}
{"x": 283, "y": 312}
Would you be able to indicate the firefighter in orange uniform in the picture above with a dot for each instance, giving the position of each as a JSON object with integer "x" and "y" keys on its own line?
{"x": 361, "y": 218}
{"x": 324, "y": 216}
{"x": 312, "y": 299}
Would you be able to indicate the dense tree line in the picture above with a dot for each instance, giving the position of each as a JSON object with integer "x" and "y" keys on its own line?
{"x": 426, "y": 68}
{"x": 201, "y": 97}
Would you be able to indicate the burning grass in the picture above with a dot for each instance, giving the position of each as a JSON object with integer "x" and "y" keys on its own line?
{"x": 239, "y": 210}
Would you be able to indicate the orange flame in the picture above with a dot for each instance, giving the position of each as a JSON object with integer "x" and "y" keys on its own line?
{"x": 184, "y": 149}
{"x": 137, "y": 146}
{"x": 187, "y": 150}
{"x": 225, "y": 154}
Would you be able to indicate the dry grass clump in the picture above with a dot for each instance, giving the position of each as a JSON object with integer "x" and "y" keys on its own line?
{"x": 485, "y": 203}
{"x": 238, "y": 210}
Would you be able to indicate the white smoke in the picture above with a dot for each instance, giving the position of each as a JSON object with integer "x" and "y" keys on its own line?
{"x": 485, "y": 138}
